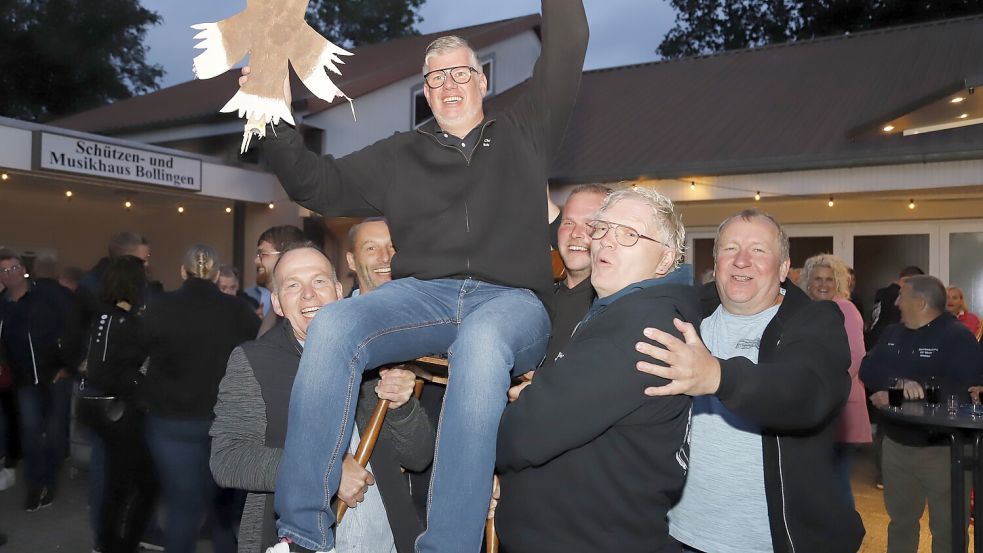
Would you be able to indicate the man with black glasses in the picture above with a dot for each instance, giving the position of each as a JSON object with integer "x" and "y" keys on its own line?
{"x": 464, "y": 201}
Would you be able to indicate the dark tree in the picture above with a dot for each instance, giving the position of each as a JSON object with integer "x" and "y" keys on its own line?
{"x": 707, "y": 26}
{"x": 61, "y": 56}
{"x": 355, "y": 22}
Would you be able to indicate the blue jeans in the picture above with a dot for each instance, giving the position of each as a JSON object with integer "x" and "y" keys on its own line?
{"x": 44, "y": 430}
{"x": 180, "y": 449}
{"x": 486, "y": 330}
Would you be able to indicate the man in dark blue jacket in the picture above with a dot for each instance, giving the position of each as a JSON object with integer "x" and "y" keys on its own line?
{"x": 572, "y": 435}
{"x": 928, "y": 343}
{"x": 33, "y": 332}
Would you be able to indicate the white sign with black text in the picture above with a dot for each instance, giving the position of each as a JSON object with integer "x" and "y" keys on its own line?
{"x": 100, "y": 159}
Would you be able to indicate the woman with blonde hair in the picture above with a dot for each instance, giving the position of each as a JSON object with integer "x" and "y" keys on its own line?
{"x": 956, "y": 304}
{"x": 826, "y": 277}
{"x": 190, "y": 333}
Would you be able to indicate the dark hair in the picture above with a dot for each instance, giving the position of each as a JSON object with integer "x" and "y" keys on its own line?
{"x": 73, "y": 274}
{"x": 125, "y": 280}
{"x": 125, "y": 243}
{"x": 353, "y": 231}
{"x": 910, "y": 270}
{"x": 281, "y": 236}
{"x": 929, "y": 289}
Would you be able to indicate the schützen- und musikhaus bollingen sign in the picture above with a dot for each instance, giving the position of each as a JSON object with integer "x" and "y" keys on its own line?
{"x": 100, "y": 159}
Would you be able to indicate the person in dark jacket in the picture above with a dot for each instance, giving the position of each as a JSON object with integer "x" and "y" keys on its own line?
{"x": 766, "y": 399}
{"x": 35, "y": 328}
{"x": 111, "y": 404}
{"x": 885, "y": 311}
{"x": 928, "y": 344}
{"x": 251, "y": 423}
{"x": 189, "y": 335}
{"x": 464, "y": 201}
{"x": 572, "y": 435}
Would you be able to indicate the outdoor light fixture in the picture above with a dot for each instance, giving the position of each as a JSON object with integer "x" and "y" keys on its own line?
{"x": 888, "y": 128}
{"x": 757, "y": 196}
{"x": 69, "y": 194}
{"x": 692, "y": 185}
{"x": 4, "y": 176}
{"x": 830, "y": 203}
{"x": 956, "y": 100}
{"x": 963, "y": 116}
{"x": 180, "y": 209}
{"x": 271, "y": 206}
{"x": 127, "y": 204}
{"x": 228, "y": 210}
{"x": 911, "y": 203}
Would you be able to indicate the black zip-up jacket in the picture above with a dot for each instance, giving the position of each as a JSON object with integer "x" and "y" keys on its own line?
{"x": 944, "y": 349}
{"x": 452, "y": 213}
{"x": 40, "y": 333}
{"x": 116, "y": 352}
{"x": 794, "y": 393}
{"x": 190, "y": 333}
{"x": 587, "y": 461}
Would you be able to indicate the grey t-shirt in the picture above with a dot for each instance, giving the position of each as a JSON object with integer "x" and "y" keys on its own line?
{"x": 723, "y": 507}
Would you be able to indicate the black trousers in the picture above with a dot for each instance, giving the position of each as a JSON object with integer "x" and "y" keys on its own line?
{"x": 130, "y": 483}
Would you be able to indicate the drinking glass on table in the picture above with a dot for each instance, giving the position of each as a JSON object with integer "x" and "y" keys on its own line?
{"x": 895, "y": 393}
{"x": 933, "y": 393}
{"x": 953, "y": 405}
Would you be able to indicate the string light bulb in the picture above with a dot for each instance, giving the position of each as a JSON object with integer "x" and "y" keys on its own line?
{"x": 830, "y": 203}
{"x": 127, "y": 204}
{"x": 757, "y": 196}
{"x": 228, "y": 210}
{"x": 271, "y": 206}
{"x": 692, "y": 185}
{"x": 69, "y": 194}
{"x": 911, "y": 204}
{"x": 4, "y": 176}
{"x": 180, "y": 209}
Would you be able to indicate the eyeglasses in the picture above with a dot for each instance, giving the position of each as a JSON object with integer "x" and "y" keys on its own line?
{"x": 260, "y": 254}
{"x": 624, "y": 235}
{"x": 10, "y": 269}
{"x": 437, "y": 77}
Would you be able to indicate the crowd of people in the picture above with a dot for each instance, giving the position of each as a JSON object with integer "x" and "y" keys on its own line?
{"x": 617, "y": 408}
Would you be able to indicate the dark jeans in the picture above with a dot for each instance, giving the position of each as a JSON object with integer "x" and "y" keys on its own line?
{"x": 130, "y": 491}
{"x": 44, "y": 430}
{"x": 843, "y": 455}
{"x": 180, "y": 450}
{"x": 9, "y": 433}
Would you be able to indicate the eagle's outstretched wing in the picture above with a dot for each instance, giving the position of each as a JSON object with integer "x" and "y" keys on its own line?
{"x": 273, "y": 33}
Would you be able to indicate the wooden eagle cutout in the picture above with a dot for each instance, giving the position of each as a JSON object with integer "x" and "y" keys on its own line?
{"x": 273, "y": 33}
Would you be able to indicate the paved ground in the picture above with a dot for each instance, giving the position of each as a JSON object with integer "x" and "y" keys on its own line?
{"x": 64, "y": 526}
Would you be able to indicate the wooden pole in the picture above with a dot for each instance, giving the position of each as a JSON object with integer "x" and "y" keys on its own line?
{"x": 366, "y": 444}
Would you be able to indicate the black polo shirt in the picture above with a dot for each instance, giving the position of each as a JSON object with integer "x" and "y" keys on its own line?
{"x": 569, "y": 307}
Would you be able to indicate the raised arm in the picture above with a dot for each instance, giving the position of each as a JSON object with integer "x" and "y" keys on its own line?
{"x": 544, "y": 110}
{"x": 240, "y": 458}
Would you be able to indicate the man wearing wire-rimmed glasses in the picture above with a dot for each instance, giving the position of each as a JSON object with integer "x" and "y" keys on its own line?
{"x": 570, "y": 438}
{"x": 463, "y": 196}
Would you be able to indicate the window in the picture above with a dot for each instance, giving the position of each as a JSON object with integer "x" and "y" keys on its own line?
{"x": 421, "y": 112}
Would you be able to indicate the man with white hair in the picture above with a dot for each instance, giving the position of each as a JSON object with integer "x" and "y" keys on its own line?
{"x": 583, "y": 414}
{"x": 464, "y": 200}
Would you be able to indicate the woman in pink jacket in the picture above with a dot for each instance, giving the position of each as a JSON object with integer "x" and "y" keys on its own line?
{"x": 825, "y": 277}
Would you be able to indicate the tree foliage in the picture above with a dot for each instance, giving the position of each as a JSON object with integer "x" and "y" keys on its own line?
{"x": 62, "y": 56}
{"x": 355, "y": 22}
{"x": 708, "y": 26}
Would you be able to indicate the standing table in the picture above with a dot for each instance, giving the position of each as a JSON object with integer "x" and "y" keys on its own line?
{"x": 961, "y": 427}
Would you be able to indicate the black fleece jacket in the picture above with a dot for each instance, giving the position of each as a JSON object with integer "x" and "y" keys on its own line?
{"x": 450, "y": 213}
{"x": 794, "y": 393}
{"x": 189, "y": 334}
{"x": 587, "y": 461}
